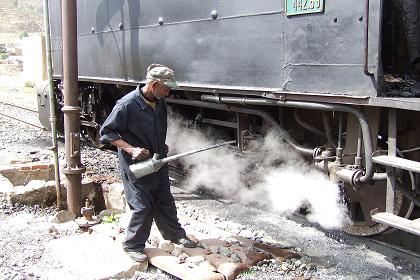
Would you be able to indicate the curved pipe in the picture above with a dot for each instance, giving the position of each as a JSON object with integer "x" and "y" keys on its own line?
{"x": 328, "y": 132}
{"x": 364, "y": 124}
{"x": 262, "y": 114}
{"x": 307, "y": 126}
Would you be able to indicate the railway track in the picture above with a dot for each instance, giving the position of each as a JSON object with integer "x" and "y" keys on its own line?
{"x": 20, "y": 113}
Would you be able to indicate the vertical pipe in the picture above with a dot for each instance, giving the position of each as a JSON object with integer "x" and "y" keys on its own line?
{"x": 339, "y": 150}
{"x": 71, "y": 109}
{"x": 328, "y": 131}
{"x": 53, "y": 118}
{"x": 392, "y": 151}
{"x": 340, "y": 129}
{"x": 358, "y": 158}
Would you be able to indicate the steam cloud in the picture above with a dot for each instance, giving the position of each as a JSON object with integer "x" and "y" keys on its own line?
{"x": 270, "y": 174}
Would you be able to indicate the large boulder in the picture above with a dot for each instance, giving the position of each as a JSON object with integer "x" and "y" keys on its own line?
{"x": 115, "y": 198}
{"x": 36, "y": 192}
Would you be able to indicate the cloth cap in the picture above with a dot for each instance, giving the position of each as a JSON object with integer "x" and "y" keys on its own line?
{"x": 163, "y": 74}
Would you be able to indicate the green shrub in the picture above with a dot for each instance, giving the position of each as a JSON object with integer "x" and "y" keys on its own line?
{"x": 3, "y": 56}
{"x": 109, "y": 219}
{"x": 29, "y": 84}
{"x": 23, "y": 34}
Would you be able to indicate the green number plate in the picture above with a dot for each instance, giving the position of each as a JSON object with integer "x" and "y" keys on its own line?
{"x": 300, "y": 7}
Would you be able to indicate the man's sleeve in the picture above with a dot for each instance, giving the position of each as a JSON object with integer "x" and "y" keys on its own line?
{"x": 116, "y": 122}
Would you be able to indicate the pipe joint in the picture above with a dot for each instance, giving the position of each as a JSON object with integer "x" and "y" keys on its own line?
{"x": 351, "y": 176}
{"x": 71, "y": 109}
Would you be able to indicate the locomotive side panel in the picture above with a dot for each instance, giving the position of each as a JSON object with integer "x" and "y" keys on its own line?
{"x": 252, "y": 45}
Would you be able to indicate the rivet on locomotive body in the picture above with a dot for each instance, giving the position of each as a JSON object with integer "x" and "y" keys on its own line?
{"x": 121, "y": 26}
{"x": 160, "y": 20}
{"x": 92, "y": 30}
{"x": 214, "y": 14}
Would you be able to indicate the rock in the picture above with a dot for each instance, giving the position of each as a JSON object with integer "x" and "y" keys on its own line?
{"x": 114, "y": 197}
{"x": 154, "y": 241}
{"x": 195, "y": 260}
{"x": 166, "y": 246}
{"x": 214, "y": 249}
{"x": 182, "y": 258}
{"x": 235, "y": 258}
{"x": 206, "y": 265}
{"x": 224, "y": 251}
{"x": 176, "y": 251}
{"x": 63, "y": 216}
{"x": 36, "y": 192}
{"x": 284, "y": 267}
{"x": 207, "y": 251}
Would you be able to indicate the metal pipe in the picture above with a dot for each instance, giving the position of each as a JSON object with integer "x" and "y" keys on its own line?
{"x": 339, "y": 150}
{"x": 340, "y": 129}
{"x": 364, "y": 124}
{"x": 379, "y": 177}
{"x": 53, "y": 118}
{"x": 71, "y": 109}
{"x": 262, "y": 114}
{"x": 358, "y": 158}
{"x": 328, "y": 131}
{"x": 308, "y": 126}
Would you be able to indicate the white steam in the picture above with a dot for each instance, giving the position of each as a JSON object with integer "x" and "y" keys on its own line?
{"x": 271, "y": 175}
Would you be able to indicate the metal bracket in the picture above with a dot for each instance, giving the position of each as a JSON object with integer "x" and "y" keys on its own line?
{"x": 366, "y": 60}
{"x": 275, "y": 95}
{"x": 216, "y": 93}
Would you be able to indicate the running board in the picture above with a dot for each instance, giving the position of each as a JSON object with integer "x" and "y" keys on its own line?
{"x": 396, "y": 221}
{"x": 398, "y": 162}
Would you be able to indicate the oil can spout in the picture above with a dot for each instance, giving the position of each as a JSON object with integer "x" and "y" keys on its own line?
{"x": 152, "y": 165}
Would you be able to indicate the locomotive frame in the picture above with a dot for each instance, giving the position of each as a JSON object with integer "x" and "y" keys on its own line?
{"x": 337, "y": 83}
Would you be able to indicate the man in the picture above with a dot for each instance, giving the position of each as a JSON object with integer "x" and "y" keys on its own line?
{"x": 137, "y": 126}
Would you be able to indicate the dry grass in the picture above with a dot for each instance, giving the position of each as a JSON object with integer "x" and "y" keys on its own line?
{"x": 14, "y": 86}
{"x": 19, "y": 16}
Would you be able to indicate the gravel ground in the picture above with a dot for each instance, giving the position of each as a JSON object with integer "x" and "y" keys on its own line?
{"x": 24, "y": 231}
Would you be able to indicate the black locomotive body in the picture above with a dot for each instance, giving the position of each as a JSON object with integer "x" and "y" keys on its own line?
{"x": 340, "y": 77}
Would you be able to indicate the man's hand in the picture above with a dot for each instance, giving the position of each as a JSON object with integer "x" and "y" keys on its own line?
{"x": 139, "y": 153}
{"x": 135, "y": 152}
{"x": 167, "y": 149}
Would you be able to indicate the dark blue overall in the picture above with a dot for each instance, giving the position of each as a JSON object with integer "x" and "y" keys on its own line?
{"x": 135, "y": 122}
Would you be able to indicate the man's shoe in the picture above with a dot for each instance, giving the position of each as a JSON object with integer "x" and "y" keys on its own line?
{"x": 185, "y": 242}
{"x": 137, "y": 256}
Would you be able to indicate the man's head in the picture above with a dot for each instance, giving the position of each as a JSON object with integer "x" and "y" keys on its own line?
{"x": 160, "y": 80}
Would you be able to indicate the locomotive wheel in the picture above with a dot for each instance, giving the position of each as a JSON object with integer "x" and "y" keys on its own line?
{"x": 366, "y": 198}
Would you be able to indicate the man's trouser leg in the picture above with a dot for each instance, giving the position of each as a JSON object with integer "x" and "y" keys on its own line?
{"x": 138, "y": 229}
{"x": 165, "y": 213}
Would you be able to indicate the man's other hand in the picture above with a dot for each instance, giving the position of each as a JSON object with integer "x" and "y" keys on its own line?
{"x": 139, "y": 153}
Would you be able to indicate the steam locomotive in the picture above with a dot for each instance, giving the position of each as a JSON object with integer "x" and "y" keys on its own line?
{"x": 339, "y": 79}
